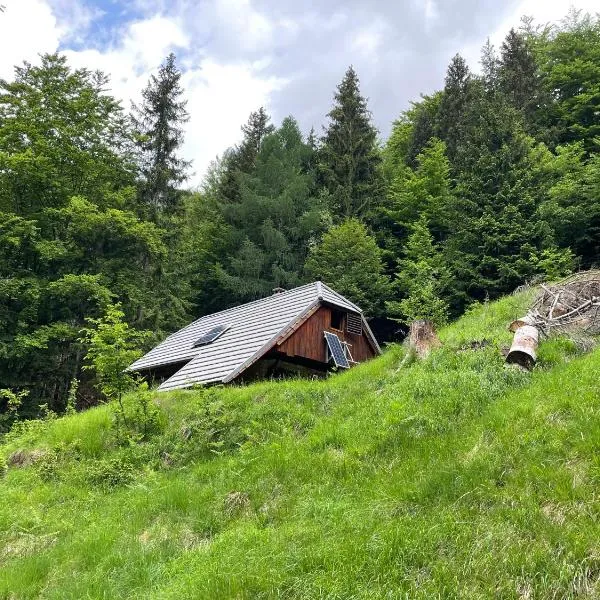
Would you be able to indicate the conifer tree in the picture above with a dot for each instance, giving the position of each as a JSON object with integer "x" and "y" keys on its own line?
{"x": 420, "y": 279}
{"x": 453, "y": 104}
{"x": 348, "y": 259}
{"x": 275, "y": 218}
{"x": 489, "y": 66}
{"x": 423, "y": 192}
{"x": 350, "y": 159}
{"x": 158, "y": 122}
{"x": 241, "y": 159}
{"x": 423, "y": 118}
{"x": 503, "y": 180}
{"x": 518, "y": 74}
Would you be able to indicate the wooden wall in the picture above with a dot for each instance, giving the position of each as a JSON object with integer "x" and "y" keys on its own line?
{"x": 308, "y": 340}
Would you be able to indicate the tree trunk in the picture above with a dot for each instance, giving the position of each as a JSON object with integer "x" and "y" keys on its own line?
{"x": 422, "y": 338}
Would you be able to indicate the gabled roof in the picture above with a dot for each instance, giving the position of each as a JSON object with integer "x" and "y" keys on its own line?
{"x": 253, "y": 329}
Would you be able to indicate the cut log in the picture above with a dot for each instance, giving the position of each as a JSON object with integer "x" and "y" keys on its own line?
{"x": 422, "y": 338}
{"x": 526, "y": 320}
{"x": 523, "y": 351}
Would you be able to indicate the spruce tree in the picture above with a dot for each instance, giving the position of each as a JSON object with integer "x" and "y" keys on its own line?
{"x": 489, "y": 66}
{"x": 274, "y": 220}
{"x": 422, "y": 192}
{"x": 453, "y": 104}
{"x": 350, "y": 159}
{"x": 503, "y": 180}
{"x": 420, "y": 279}
{"x": 241, "y": 159}
{"x": 518, "y": 75}
{"x": 158, "y": 122}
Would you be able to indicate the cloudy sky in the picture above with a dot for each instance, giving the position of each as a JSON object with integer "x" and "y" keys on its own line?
{"x": 287, "y": 55}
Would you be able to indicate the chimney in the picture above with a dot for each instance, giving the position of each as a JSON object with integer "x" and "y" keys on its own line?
{"x": 278, "y": 290}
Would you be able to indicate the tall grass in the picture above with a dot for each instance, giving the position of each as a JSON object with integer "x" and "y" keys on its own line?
{"x": 454, "y": 477}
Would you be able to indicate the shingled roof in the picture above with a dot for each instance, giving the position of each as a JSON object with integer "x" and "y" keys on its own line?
{"x": 253, "y": 329}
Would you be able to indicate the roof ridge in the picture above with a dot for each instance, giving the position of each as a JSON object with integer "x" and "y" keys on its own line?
{"x": 338, "y": 295}
{"x": 231, "y": 308}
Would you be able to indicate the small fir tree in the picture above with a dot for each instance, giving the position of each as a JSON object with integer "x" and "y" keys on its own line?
{"x": 453, "y": 103}
{"x": 420, "y": 279}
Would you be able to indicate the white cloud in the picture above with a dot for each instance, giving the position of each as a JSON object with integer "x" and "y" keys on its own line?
{"x": 253, "y": 29}
{"x": 27, "y": 28}
{"x": 369, "y": 39}
{"x": 220, "y": 98}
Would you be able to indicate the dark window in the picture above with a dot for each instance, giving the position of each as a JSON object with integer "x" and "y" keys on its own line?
{"x": 337, "y": 319}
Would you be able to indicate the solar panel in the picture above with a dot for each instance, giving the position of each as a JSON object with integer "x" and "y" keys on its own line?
{"x": 336, "y": 350}
{"x": 354, "y": 323}
{"x": 211, "y": 335}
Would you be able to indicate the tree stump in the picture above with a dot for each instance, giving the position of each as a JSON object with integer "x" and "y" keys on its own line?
{"x": 422, "y": 338}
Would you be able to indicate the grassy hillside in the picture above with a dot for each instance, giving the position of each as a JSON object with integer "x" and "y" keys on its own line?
{"x": 454, "y": 477}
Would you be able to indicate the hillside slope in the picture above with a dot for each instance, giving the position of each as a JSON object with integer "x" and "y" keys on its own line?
{"x": 454, "y": 477}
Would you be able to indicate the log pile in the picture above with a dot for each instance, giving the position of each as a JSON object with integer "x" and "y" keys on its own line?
{"x": 571, "y": 306}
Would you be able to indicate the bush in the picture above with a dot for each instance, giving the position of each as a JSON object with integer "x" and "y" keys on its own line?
{"x": 111, "y": 472}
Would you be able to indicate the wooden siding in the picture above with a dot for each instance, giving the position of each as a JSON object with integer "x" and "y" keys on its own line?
{"x": 308, "y": 341}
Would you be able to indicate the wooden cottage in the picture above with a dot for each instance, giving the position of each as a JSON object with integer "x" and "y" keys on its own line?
{"x": 307, "y": 330}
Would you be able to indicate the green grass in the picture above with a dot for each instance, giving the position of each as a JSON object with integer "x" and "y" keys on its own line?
{"x": 453, "y": 477}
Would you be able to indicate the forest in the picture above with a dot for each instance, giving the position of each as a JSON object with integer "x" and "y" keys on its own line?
{"x": 485, "y": 185}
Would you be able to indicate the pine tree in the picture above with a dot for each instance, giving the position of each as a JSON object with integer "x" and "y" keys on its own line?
{"x": 453, "y": 104}
{"x": 158, "y": 122}
{"x": 350, "y": 159}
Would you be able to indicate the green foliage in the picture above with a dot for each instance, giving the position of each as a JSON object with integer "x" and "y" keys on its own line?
{"x": 420, "y": 280}
{"x": 110, "y": 473}
{"x": 518, "y": 74}
{"x": 348, "y": 260}
{"x": 349, "y": 159}
{"x": 573, "y": 208}
{"x": 503, "y": 183}
{"x": 12, "y": 401}
{"x": 61, "y": 135}
{"x": 276, "y": 217}
{"x": 158, "y": 124}
{"x": 569, "y": 59}
{"x": 112, "y": 347}
{"x": 422, "y": 192}
{"x": 453, "y": 104}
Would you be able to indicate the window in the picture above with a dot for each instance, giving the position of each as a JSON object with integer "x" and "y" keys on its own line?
{"x": 337, "y": 319}
{"x": 211, "y": 335}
